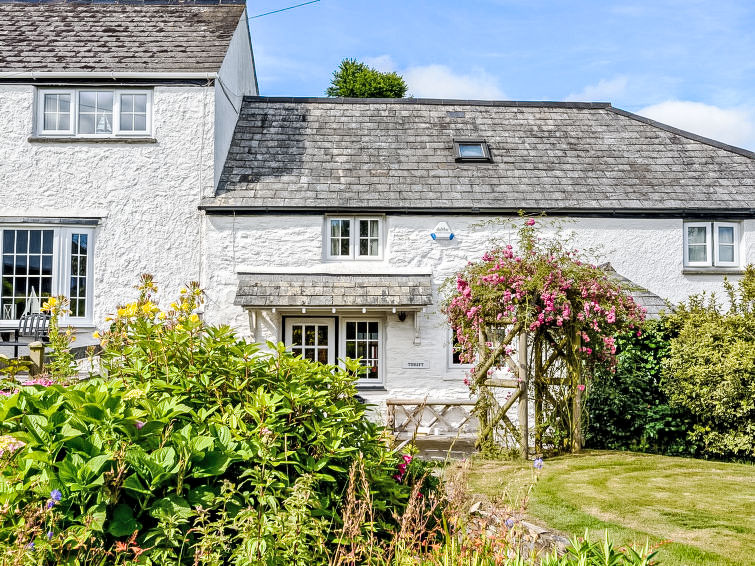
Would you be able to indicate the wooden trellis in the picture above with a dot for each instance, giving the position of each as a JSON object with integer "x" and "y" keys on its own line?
{"x": 444, "y": 418}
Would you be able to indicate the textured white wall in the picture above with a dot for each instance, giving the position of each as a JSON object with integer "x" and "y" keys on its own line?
{"x": 648, "y": 251}
{"x": 236, "y": 74}
{"x": 147, "y": 194}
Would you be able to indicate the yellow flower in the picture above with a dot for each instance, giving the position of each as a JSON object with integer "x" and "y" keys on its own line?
{"x": 194, "y": 318}
{"x": 183, "y": 290}
{"x": 96, "y": 335}
{"x": 148, "y": 308}
{"x": 121, "y": 312}
{"x": 174, "y": 306}
{"x": 161, "y": 315}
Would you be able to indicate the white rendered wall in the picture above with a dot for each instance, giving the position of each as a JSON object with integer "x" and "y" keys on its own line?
{"x": 146, "y": 194}
{"x": 236, "y": 79}
{"x": 647, "y": 251}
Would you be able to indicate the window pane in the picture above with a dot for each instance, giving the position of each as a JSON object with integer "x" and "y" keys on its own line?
{"x": 105, "y": 101}
{"x": 344, "y": 247}
{"x": 373, "y": 247}
{"x": 698, "y": 253}
{"x": 105, "y": 123}
{"x": 335, "y": 228}
{"x": 140, "y": 122}
{"x": 364, "y": 228}
{"x": 127, "y": 122}
{"x": 140, "y": 103}
{"x": 127, "y": 103}
{"x": 726, "y": 253}
{"x": 364, "y": 247}
{"x": 373, "y": 228}
{"x": 309, "y": 335}
{"x": 8, "y": 239}
{"x": 697, "y": 234}
{"x": 296, "y": 336}
{"x": 64, "y": 122}
{"x": 322, "y": 335}
{"x": 35, "y": 241}
{"x": 87, "y": 101}
{"x": 86, "y": 123}
{"x": 47, "y": 241}
{"x": 22, "y": 241}
{"x": 64, "y": 103}
{"x": 351, "y": 351}
{"x": 334, "y": 247}
{"x": 471, "y": 150}
{"x": 351, "y": 330}
{"x": 50, "y": 122}
{"x": 322, "y": 355}
{"x": 309, "y": 354}
{"x": 345, "y": 228}
{"x": 725, "y": 234}
{"x": 51, "y": 103}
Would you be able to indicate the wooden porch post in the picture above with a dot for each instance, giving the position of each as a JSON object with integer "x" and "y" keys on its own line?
{"x": 523, "y": 404}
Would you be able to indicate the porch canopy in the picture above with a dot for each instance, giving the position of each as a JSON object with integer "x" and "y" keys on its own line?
{"x": 374, "y": 291}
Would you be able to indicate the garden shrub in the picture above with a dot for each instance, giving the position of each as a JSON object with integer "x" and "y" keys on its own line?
{"x": 710, "y": 371}
{"x": 627, "y": 408}
{"x": 192, "y": 447}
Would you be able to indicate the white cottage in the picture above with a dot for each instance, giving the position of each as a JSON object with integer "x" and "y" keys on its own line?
{"x": 116, "y": 118}
{"x": 335, "y": 222}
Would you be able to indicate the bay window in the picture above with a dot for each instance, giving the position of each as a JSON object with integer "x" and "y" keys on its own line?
{"x": 40, "y": 262}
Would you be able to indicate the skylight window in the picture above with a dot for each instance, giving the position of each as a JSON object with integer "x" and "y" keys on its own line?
{"x": 471, "y": 150}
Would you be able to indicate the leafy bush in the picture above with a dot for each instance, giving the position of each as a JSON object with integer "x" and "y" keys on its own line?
{"x": 191, "y": 448}
{"x": 627, "y": 408}
{"x": 711, "y": 369}
{"x": 353, "y": 79}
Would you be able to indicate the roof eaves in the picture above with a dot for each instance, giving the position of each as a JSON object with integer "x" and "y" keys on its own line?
{"x": 428, "y": 101}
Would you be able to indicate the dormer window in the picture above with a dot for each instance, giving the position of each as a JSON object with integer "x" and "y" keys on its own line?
{"x": 94, "y": 112}
{"x": 471, "y": 150}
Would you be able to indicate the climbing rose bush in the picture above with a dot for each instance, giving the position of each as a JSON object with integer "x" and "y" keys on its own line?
{"x": 542, "y": 286}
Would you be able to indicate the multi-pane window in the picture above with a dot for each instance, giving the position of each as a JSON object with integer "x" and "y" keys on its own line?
{"x": 56, "y": 113}
{"x": 369, "y": 237}
{"x": 363, "y": 341}
{"x": 455, "y": 353}
{"x": 38, "y": 263}
{"x": 340, "y": 237}
{"x": 94, "y": 112}
{"x": 133, "y": 112}
{"x": 711, "y": 244}
{"x": 354, "y": 238}
{"x": 311, "y": 341}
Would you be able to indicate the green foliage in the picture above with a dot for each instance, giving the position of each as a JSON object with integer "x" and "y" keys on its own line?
{"x": 582, "y": 552}
{"x": 628, "y": 409}
{"x": 711, "y": 369}
{"x": 195, "y": 449}
{"x": 353, "y": 79}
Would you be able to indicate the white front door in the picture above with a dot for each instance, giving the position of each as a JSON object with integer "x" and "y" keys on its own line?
{"x": 312, "y": 338}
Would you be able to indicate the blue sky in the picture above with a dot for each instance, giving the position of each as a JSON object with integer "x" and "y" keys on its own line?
{"x": 688, "y": 63}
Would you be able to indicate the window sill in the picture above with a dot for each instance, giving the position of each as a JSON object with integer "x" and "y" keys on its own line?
{"x": 713, "y": 271}
{"x": 73, "y": 139}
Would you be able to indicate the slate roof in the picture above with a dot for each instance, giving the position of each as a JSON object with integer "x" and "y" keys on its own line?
{"x": 298, "y": 290}
{"x": 116, "y": 35}
{"x": 293, "y": 154}
{"x": 653, "y": 303}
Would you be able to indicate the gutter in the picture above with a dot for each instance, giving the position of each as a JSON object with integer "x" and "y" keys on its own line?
{"x": 34, "y": 75}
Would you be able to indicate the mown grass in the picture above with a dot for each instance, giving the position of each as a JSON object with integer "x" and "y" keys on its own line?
{"x": 706, "y": 509}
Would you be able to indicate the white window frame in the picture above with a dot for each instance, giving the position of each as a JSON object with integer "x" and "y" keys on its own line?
{"x": 712, "y": 245}
{"x": 716, "y": 244}
{"x": 61, "y": 266}
{"x": 41, "y": 112}
{"x": 381, "y": 347}
{"x": 330, "y": 322}
{"x": 354, "y": 239}
{"x": 450, "y": 349}
{"x": 75, "y": 94}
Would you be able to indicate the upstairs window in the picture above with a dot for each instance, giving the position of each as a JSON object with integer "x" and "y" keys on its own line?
{"x": 471, "y": 150}
{"x": 711, "y": 244}
{"x": 354, "y": 238}
{"x": 94, "y": 112}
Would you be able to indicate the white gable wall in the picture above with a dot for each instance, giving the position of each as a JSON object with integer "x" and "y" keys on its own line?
{"x": 647, "y": 251}
{"x": 145, "y": 194}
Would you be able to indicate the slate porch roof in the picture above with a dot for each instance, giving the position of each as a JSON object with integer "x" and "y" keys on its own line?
{"x": 654, "y": 304}
{"x": 326, "y": 290}
{"x": 116, "y": 35}
{"x": 304, "y": 154}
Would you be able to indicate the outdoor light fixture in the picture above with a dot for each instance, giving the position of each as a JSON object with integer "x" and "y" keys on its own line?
{"x": 402, "y": 316}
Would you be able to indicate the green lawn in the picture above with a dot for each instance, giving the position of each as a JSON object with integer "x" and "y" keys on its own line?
{"x": 707, "y": 509}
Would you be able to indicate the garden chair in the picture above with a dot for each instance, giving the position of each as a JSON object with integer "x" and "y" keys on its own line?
{"x": 35, "y": 327}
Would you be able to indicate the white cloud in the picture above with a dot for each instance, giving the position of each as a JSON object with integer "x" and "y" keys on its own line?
{"x": 383, "y": 63}
{"x": 439, "y": 81}
{"x": 735, "y": 126}
{"x": 605, "y": 90}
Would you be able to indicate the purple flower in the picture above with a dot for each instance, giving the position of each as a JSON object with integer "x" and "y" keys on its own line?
{"x": 139, "y": 425}
{"x": 510, "y": 522}
{"x": 30, "y": 546}
{"x": 49, "y": 535}
{"x": 538, "y": 464}
{"x": 55, "y": 496}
